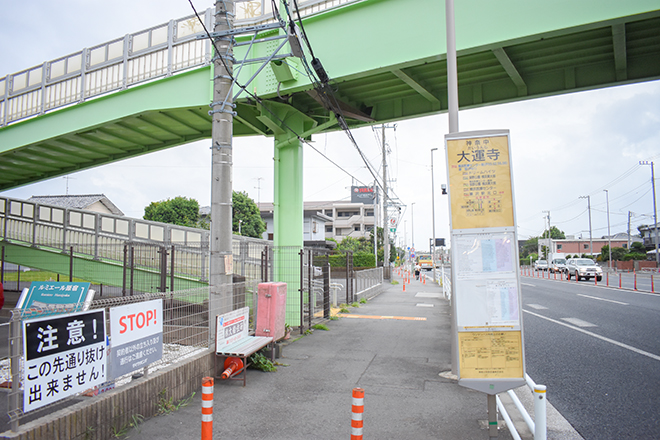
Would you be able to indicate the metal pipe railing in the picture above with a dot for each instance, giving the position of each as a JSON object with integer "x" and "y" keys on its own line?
{"x": 125, "y": 62}
{"x": 538, "y": 426}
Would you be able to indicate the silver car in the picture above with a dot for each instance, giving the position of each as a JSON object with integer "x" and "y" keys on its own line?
{"x": 583, "y": 268}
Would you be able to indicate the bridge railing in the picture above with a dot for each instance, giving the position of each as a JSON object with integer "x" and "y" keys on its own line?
{"x": 100, "y": 236}
{"x": 153, "y": 53}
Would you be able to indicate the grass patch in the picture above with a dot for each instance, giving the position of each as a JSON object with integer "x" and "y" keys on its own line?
{"x": 363, "y": 300}
{"x": 334, "y": 318}
{"x": 320, "y": 327}
{"x": 355, "y": 304}
{"x": 394, "y": 282}
{"x": 261, "y": 362}
{"x": 38, "y": 275}
{"x": 166, "y": 406}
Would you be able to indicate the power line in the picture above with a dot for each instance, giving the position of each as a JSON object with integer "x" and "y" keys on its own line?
{"x": 259, "y": 100}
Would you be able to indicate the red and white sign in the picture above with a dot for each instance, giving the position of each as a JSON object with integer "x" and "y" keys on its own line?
{"x": 135, "y": 321}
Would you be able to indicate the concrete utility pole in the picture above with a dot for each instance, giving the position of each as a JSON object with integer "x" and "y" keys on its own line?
{"x": 386, "y": 231}
{"x": 609, "y": 234}
{"x": 221, "y": 170}
{"x": 655, "y": 212}
{"x": 549, "y": 248}
{"x": 591, "y": 242}
{"x": 433, "y": 216}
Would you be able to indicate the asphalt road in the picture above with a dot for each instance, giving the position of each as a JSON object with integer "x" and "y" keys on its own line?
{"x": 597, "y": 350}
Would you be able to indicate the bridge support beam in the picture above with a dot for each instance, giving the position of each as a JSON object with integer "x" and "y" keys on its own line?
{"x": 289, "y": 126}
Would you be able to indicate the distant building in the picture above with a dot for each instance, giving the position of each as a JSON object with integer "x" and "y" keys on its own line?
{"x": 333, "y": 219}
{"x": 573, "y": 246}
{"x": 89, "y": 202}
{"x": 648, "y": 236}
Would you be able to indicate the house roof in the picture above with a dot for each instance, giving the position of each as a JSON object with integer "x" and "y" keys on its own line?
{"x": 82, "y": 201}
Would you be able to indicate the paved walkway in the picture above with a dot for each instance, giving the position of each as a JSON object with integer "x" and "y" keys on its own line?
{"x": 394, "y": 347}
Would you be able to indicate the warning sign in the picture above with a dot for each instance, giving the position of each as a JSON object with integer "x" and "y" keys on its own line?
{"x": 64, "y": 355}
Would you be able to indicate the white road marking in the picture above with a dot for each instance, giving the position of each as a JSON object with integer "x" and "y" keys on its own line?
{"x": 603, "y": 299}
{"x": 424, "y": 305}
{"x": 428, "y": 295}
{"x": 602, "y": 338}
{"x": 578, "y": 322}
{"x": 527, "y": 284}
{"x": 537, "y": 306}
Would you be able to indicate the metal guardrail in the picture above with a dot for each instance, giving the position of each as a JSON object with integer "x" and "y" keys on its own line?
{"x": 150, "y": 54}
{"x": 539, "y": 425}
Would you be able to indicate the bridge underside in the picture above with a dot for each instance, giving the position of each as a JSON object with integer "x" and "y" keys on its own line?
{"x": 174, "y": 111}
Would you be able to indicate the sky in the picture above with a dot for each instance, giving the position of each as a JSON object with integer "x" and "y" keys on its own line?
{"x": 563, "y": 148}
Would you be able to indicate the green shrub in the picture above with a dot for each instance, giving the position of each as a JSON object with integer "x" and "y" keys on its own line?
{"x": 364, "y": 259}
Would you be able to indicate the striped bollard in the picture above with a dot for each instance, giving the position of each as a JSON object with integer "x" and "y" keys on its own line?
{"x": 207, "y": 408}
{"x": 357, "y": 413}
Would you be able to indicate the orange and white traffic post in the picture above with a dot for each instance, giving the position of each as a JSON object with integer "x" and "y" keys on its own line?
{"x": 207, "y": 408}
{"x": 357, "y": 413}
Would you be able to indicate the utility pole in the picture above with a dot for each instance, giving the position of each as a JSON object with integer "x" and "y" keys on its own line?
{"x": 412, "y": 222}
{"x": 591, "y": 242}
{"x": 609, "y": 237}
{"x": 375, "y": 205}
{"x": 549, "y": 239}
{"x": 386, "y": 235}
{"x": 655, "y": 212}
{"x": 628, "y": 231}
{"x": 433, "y": 216}
{"x": 221, "y": 170}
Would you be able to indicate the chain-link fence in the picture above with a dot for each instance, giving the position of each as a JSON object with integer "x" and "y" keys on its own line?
{"x": 177, "y": 274}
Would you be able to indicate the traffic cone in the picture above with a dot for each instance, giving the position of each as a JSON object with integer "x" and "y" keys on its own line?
{"x": 232, "y": 364}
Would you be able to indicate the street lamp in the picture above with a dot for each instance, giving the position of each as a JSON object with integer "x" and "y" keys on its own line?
{"x": 655, "y": 211}
{"x": 433, "y": 216}
{"x": 609, "y": 234}
{"x": 591, "y": 242}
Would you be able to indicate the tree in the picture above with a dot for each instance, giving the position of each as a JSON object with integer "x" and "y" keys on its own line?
{"x": 637, "y": 247}
{"x": 245, "y": 213}
{"x": 555, "y": 234}
{"x": 617, "y": 253}
{"x": 178, "y": 211}
{"x": 531, "y": 246}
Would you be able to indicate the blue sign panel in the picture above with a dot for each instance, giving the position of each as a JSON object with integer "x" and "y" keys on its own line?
{"x": 54, "y": 296}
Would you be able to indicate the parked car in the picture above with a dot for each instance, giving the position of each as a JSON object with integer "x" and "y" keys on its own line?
{"x": 541, "y": 265}
{"x": 558, "y": 265}
{"x": 583, "y": 268}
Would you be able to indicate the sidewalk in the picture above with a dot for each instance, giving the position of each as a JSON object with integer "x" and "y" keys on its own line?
{"x": 394, "y": 347}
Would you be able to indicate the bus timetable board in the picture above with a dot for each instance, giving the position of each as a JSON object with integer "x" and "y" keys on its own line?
{"x": 487, "y": 303}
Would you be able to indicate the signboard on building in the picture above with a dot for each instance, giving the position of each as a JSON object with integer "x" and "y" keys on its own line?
{"x": 136, "y": 335}
{"x": 363, "y": 194}
{"x": 487, "y": 303}
{"x": 64, "y": 355}
{"x": 55, "y": 296}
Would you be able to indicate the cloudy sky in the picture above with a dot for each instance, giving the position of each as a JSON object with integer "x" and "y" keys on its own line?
{"x": 563, "y": 147}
